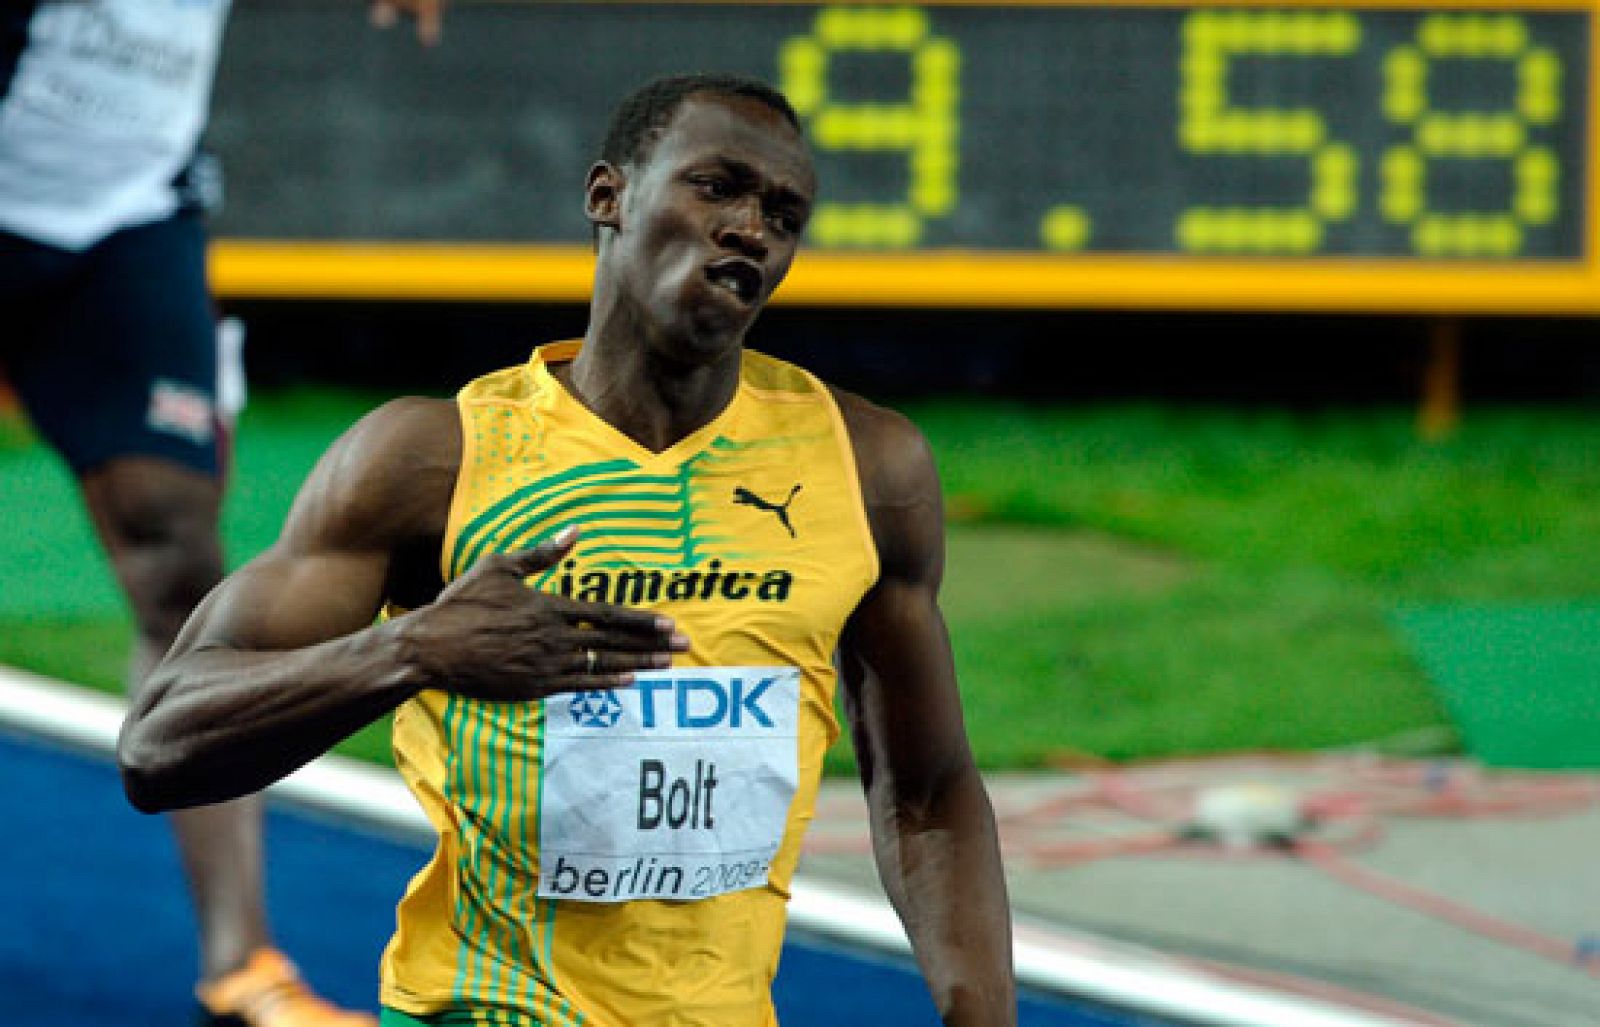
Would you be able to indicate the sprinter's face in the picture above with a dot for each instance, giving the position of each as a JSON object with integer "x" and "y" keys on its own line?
{"x": 707, "y": 226}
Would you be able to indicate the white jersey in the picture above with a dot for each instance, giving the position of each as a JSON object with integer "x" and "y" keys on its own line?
{"x": 103, "y": 111}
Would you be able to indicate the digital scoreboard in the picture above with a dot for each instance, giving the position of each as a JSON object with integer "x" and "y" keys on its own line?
{"x": 1362, "y": 156}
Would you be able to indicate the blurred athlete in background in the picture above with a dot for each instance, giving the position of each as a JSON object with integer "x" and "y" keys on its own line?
{"x": 109, "y": 338}
{"x": 709, "y": 529}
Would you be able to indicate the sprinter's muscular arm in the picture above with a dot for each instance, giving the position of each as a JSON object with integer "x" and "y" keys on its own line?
{"x": 933, "y": 828}
{"x": 284, "y": 658}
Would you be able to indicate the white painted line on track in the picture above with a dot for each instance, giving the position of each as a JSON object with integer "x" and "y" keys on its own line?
{"x": 1047, "y": 957}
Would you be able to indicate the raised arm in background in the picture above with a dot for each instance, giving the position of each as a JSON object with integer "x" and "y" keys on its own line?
{"x": 429, "y": 15}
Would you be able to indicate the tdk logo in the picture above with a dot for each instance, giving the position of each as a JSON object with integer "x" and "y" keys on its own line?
{"x": 595, "y": 708}
{"x": 687, "y": 703}
{"x": 703, "y": 702}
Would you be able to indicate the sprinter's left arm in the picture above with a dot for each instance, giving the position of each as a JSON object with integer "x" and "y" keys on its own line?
{"x": 933, "y": 827}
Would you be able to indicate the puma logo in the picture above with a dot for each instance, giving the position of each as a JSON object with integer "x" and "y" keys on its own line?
{"x": 744, "y": 497}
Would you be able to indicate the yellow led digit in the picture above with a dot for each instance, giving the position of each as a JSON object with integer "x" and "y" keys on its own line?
{"x": 1445, "y": 135}
{"x": 924, "y": 125}
{"x": 1208, "y": 124}
{"x": 1065, "y": 229}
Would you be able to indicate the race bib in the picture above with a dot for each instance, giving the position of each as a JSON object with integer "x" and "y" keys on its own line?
{"x": 676, "y": 788}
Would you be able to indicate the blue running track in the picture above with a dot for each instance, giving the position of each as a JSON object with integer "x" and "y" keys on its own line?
{"x": 97, "y": 932}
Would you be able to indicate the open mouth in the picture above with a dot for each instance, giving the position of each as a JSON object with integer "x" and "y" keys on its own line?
{"x": 742, "y": 278}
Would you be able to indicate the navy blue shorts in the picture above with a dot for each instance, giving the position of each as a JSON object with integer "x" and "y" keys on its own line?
{"x": 113, "y": 351}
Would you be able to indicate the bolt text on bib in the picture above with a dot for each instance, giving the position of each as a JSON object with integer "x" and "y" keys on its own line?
{"x": 686, "y": 802}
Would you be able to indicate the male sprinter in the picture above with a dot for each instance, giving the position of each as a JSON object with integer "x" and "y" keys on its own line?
{"x": 621, "y": 759}
{"x": 108, "y": 336}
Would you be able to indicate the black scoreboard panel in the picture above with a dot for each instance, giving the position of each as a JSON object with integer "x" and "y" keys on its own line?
{"x": 1411, "y": 138}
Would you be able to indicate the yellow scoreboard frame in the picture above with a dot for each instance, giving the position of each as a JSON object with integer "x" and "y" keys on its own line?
{"x": 946, "y": 278}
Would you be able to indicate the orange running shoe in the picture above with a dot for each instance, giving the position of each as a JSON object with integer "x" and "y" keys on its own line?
{"x": 269, "y": 992}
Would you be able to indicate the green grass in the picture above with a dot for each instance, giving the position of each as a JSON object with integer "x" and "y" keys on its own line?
{"x": 1304, "y": 532}
{"x": 1507, "y": 506}
{"x": 1123, "y": 583}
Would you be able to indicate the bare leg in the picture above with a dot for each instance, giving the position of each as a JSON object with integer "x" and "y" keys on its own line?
{"x": 159, "y": 524}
